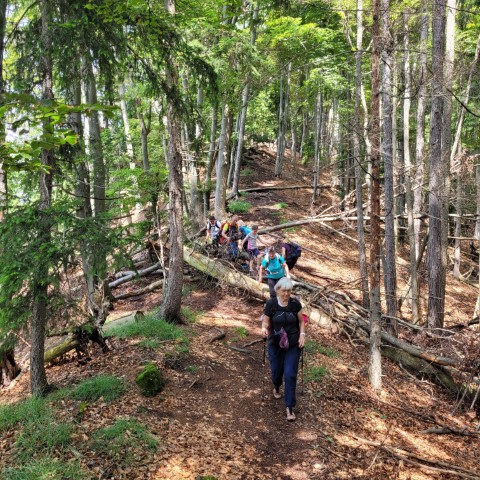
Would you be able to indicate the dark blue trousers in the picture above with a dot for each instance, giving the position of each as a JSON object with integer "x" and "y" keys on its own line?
{"x": 284, "y": 368}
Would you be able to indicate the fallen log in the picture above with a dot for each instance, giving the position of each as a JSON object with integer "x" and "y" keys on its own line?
{"x": 232, "y": 195}
{"x": 132, "y": 275}
{"x": 149, "y": 288}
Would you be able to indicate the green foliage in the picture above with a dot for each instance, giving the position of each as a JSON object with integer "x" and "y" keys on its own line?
{"x": 42, "y": 435}
{"x": 126, "y": 441}
{"x": 246, "y": 172}
{"x": 150, "y": 380}
{"x": 313, "y": 347}
{"x": 45, "y": 468}
{"x": 33, "y": 407}
{"x": 192, "y": 369}
{"x": 241, "y": 332}
{"x": 239, "y": 206}
{"x": 316, "y": 374}
{"x": 150, "y": 327}
{"x": 107, "y": 387}
{"x": 281, "y": 205}
{"x": 149, "y": 343}
{"x": 191, "y": 315}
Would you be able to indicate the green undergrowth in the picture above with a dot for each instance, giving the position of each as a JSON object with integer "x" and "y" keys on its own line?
{"x": 316, "y": 373}
{"x": 281, "y": 205}
{"x": 45, "y": 469}
{"x": 107, "y": 387}
{"x": 126, "y": 441}
{"x": 239, "y": 206}
{"x": 314, "y": 347}
{"x": 150, "y": 328}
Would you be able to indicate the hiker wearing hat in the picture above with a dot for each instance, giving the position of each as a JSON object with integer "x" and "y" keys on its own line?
{"x": 275, "y": 267}
{"x": 284, "y": 326}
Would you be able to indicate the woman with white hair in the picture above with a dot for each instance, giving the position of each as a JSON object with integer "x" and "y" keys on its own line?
{"x": 284, "y": 326}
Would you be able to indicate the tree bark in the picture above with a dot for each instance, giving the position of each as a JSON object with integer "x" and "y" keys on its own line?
{"x": 222, "y": 162}
{"x": 3, "y": 172}
{"x": 317, "y": 120}
{"x": 362, "y": 256}
{"x": 282, "y": 120}
{"x": 421, "y": 76}
{"x": 172, "y": 299}
{"x": 409, "y": 173}
{"x": 210, "y": 161}
{"x": 38, "y": 377}
{"x": 390, "y": 275}
{"x": 436, "y": 258}
{"x": 375, "y": 368}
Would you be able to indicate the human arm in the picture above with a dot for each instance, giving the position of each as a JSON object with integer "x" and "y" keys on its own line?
{"x": 285, "y": 267}
{"x": 266, "y": 324}
{"x": 301, "y": 323}
{"x": 260, "y": 274}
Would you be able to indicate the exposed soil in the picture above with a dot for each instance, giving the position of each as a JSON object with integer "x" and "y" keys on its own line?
{"x": 211, "y": 419}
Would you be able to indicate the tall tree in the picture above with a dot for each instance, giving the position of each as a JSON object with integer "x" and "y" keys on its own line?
{"x": 38, "y": 378}
{"x": 375, "y": 369}
{"x": 172, "y": 298}
{"x": 437, "y": 216}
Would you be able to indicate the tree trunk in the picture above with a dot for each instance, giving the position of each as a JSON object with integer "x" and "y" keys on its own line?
{"x": 409, "y": 172}
{"x": 282, "y": 120}
{"x": 222, "y": 162}
{"x": 357, "y": 158}
{"x": 38, "y": 377}
{"x": 436, "y": 260}
{"x": 387, "y": 154}
{"x": 172, "y": 300}
{"x": 3, "y": 172}
{"x": 421, "y": 76}
{"x": 210, "y": 161}
{"x": 375, "y": 368}
{"x": 317, "y": 120}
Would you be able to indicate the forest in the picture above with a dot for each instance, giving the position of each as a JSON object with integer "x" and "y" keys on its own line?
{"x": 346, "y": 126}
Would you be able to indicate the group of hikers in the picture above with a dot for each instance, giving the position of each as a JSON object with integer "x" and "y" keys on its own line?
{"x": 283, "y": 322}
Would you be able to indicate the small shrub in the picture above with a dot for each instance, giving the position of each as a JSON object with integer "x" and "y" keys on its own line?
{"x": 239, "y": 206}
{"x": 246, "y": 172}
{"x": 44, "y": 469}
{"x": 315, "y": 374}
{"x": 150, "y": 380}
{"x": 241, "y": 333}
{"x": 106, "y": 386}
{"x": 126, "y": 441}
{"x": 149, "y": 343}
{"x": 281, "y": 205}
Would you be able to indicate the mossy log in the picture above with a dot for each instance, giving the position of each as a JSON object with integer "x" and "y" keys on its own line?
{"x": 70, "y": 343}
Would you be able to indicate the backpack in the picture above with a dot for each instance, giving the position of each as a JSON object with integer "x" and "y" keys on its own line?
{"x": 292, "y": 250}
{"x": 244, "y": 231}
{"x": 232, "y": 232}
{"x": 216, "y": 224}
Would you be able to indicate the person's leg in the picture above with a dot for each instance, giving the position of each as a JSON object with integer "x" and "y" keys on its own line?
{"x": 271, "y": 286}
{"x": 276, "y": 356}
{"x": 292, "y": 357}
{"x": 291, "y": 263}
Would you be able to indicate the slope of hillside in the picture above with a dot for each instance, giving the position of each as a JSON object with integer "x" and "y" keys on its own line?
{"x": 211, "y": 421}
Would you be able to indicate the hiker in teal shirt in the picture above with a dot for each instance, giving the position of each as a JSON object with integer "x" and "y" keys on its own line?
{"x": 275, "y": 267}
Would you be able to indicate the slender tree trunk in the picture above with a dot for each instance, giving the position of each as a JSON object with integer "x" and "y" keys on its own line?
{"x": 408, "y": 173}
{"x": 375, "y": 369}
{"x": 243, "y": 112}
{"x": 222, "y": 162}
{"x": 282, "y": 120}
{"x": 317, "y": 120}
{"x": 172, "y": 297}
{"x": 436, "y": 215}
{"x": 387, "y": 154}
{"x": 420, "y": 131}
{"x": 458, "y": 222}
{"x": 38, "y": 377}
{"x": 210, "y": 160}
{"x": 357, "y": 158}
{"x": 145, "y": 129}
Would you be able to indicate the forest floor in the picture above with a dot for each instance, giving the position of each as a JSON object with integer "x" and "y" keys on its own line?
{"x": 210, "y": 419}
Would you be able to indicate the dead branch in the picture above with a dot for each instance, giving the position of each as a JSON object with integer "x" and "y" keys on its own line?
{"x": 133, "y": 275}
{"x": 450, "y": 431}
{"x": 220, "y": 334}
{"x": 149, "y": 288}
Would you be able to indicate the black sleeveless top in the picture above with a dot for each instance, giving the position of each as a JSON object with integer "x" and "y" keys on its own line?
{"x": 283, "y": 317}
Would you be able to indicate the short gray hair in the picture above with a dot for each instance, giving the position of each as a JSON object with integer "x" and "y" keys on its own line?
{"x": 284, "y": 283}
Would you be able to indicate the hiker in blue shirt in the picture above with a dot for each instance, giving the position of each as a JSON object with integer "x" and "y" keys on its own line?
{"x": 275, "y": 267}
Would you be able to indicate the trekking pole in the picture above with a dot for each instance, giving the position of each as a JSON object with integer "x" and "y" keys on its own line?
{"x": 263, "y": 368}
{"x": 302, "y": 391}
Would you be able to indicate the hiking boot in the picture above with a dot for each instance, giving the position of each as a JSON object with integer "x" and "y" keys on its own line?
{"x": 290, "y": 415}
{"x": 276, "y": 393}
